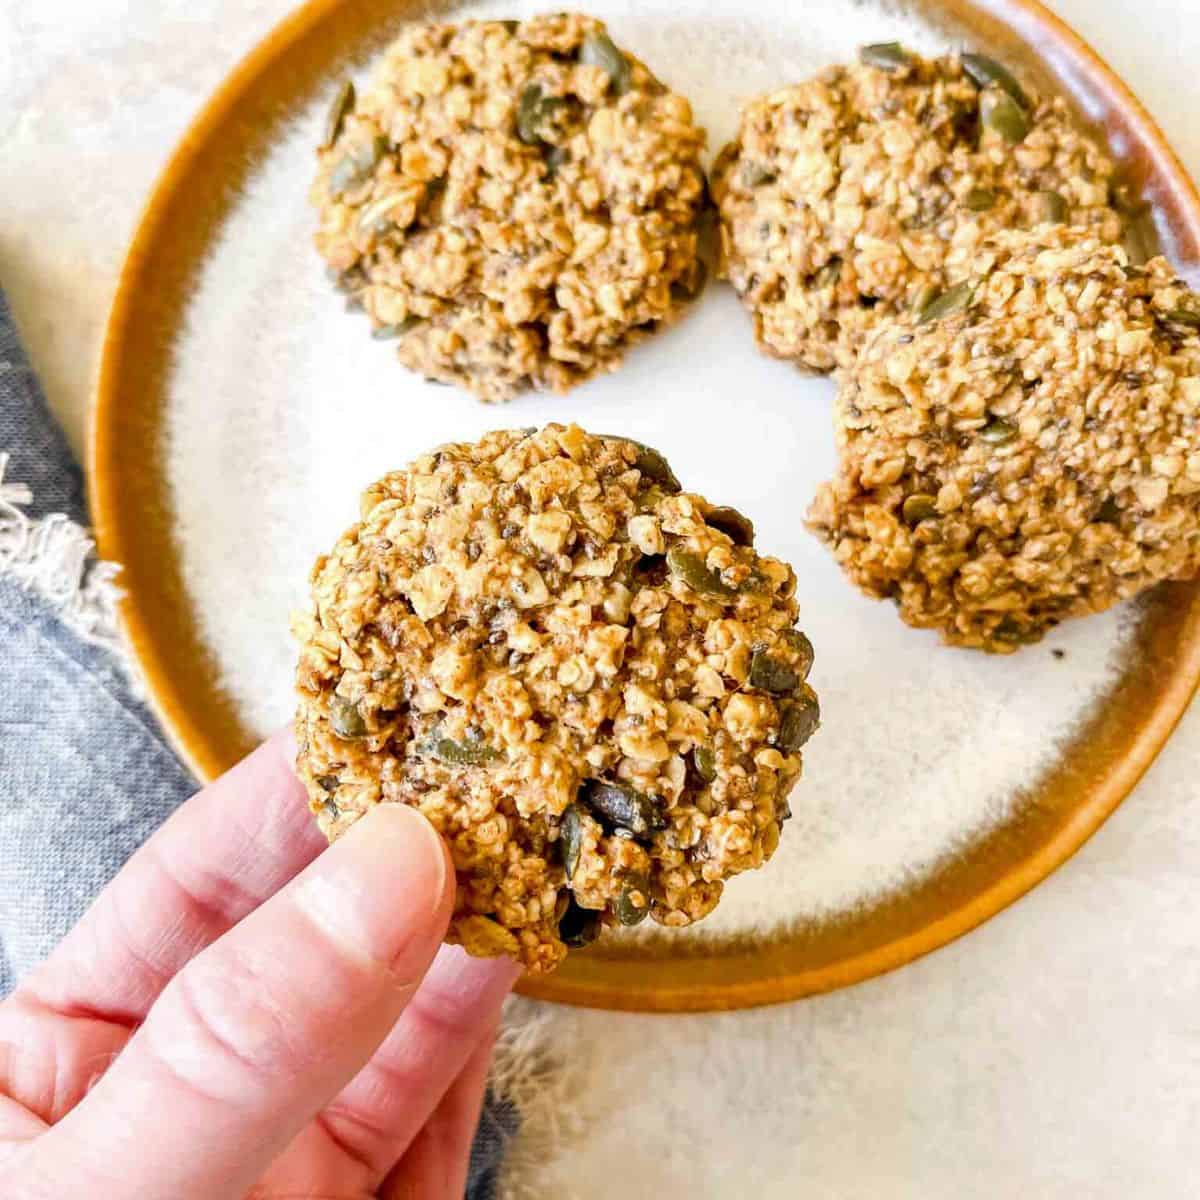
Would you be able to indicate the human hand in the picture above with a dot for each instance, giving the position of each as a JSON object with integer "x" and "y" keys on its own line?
{"x": 245, "y": 1012}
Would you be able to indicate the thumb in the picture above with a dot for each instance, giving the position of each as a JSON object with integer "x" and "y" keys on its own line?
{"x": 263, "y": 1028}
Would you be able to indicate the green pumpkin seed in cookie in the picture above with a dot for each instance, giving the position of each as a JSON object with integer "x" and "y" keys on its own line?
{"x": 346, "y": 719}
{"x": 999, "y": 112}
{"x": 622, "y": 806}
{"x": 598, "y": 50}
{"x": 690, "y": 567}
{"x": 984, "y": 72}
{"x": 887, "y": 56}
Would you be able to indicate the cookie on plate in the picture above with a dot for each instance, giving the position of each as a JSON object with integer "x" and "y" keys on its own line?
{"x": 1028, "y": 448}
{"x": 843, "y": 196}
{"x": 586, "y": 678}
{"x": 515, "y": 203}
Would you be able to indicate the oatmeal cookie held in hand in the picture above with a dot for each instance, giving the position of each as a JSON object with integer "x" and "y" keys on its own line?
{"x": 1027, "y": 448}
{"x": 515, "y": 203}
{"x": 843, "y": 196}
{"x": 586, "y": 678}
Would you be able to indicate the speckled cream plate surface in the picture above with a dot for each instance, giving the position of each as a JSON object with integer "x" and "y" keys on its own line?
{"x": 208, "y": 363}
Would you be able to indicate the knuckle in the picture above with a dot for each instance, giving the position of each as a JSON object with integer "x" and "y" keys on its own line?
{"x": 223, "y": 1035}
{"x": 442, "y": 1018}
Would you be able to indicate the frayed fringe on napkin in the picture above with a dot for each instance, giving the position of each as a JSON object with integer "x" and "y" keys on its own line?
{"x": 55, "y": 558}
{"x": 544, "y": 1087}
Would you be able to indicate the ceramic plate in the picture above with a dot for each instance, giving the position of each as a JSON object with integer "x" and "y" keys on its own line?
{"x": 240, "y": 411}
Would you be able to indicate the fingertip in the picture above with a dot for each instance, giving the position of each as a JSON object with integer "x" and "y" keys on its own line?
{"x": 384, "y": 890}
{"x": 401, "y": 823}
{"x": 457, "y": 971}
{"x": 283, "y": 743}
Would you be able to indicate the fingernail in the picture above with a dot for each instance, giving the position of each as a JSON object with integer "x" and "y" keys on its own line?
{"x": 380, "y": 890}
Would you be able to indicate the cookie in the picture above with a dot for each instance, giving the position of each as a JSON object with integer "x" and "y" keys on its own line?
{"x": 1025, "y": 450}
{"x": 586, "y": 678}
{"x": 843, "y": 197}
{"x": 514, "y": 203}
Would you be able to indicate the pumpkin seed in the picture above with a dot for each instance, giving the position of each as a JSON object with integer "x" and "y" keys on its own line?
{"x": 579, "y": 927}
{"x": 984, "y": 71}
{"x": 598, "y": 50}
{"x": 632, "y": 904}
{"x": 919, "y": 507}
{"x": 689, "y": 567}
{"x": 651, "y": 498}
{"x": 534, "y": 109}
{"x": 1051, "y": 208}
{"x": 346, "y": 719}
{"x": 1009, "y": 631}
{"x": 343, "y": 176}
{"x": 998, "y": 431}
{"x": 772, "y": 675}
{"x": 342, "y": 103}
{"x": 797, "y": 639}
{"x": 621, "y": 805}
{"x": 925, "y": 296}
{"x": 754, "y": 175}
{"x": 367, "y": 154}
{"x": 652, "y": 464}
{"x": 886, "y": 56}
{"x": 382, "y": 333}
{"x": 374, "y": 218}
{"x": 467, "y": 753}
{"x": 729, "y": 521}
{"x": 1183, "y": 316}
{"x": 798, "y": 721}
{"x": 999, "y": 112}
{"x": 655, "y": 467}
{"x": 980, "y": 199}
{"x": 705, "y": 762}
{"x": 570, "y": 836}
{"x": 529, "y": 111}
{"x": 357, "y": 163}
{"x": 955, "y": 300}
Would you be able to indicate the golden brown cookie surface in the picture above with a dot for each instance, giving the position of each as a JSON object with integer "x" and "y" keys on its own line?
{"x": 515, "y": 203}
{"x": 1027, "y": 451}
{"x": 844, "y": 196}
{"x": 585, "y": 677}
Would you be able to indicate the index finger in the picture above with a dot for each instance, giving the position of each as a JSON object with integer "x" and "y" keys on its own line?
{"x": 216, "y": 859}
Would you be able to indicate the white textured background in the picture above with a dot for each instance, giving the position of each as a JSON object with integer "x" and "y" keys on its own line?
{"x": 1052, "y": 1055}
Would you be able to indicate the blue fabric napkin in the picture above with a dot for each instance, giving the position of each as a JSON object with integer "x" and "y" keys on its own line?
{"x": 86, "y": 774}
